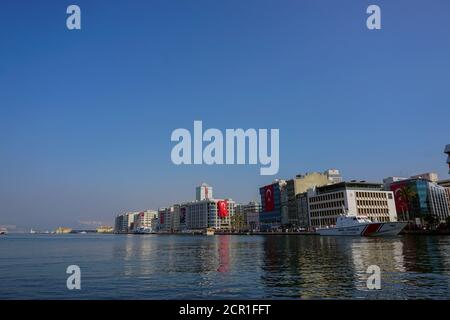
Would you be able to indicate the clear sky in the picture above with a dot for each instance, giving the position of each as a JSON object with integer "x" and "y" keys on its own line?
{"x": 86, "y": 116}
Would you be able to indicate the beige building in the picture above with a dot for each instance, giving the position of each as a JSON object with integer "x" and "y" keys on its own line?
{"x": 105, "y": 229}
{"x": 430, "y": 176}
{"x": 300, "y": 184}
{"x": 63, "y": 230}
{"x": 144, "y": 219}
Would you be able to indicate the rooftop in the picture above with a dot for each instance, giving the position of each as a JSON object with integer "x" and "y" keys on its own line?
{"x": 350, "y": 185}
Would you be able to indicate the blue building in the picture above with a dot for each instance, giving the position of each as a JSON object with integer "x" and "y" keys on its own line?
{"x": 416, "y": 198}
{"x": 271, "y": 216}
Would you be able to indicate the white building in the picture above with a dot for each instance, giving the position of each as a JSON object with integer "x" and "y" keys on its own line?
{"x": 326, "y": 203}
{"x": 205, "y": 214}
{"x": 204, "y": 191}
{"x": 439, "y": 202}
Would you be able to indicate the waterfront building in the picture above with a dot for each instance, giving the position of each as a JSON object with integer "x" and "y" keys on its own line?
{"x": 300, "y": 184}
{"x": 143, "y": 220}
{"x": 247, "y": 216}
{"x": 182, "y": 216}
{"x": 166, "y": 219}
{"x": 204, "y": 191}
{"x": 415, "y": 198}
{"x": 303, "y": 210}
{"x": 209, "y": 213}
{"x": 273, "y": 205}
{"x": 125, "y": 222}
{"x": 446, "y": 185}
{"x": 326, "y": 203}
{"x": 239, "y": 220}
{"x": 63, "y": 230}
{"x": 105, "y": 229}
{"x": 121, "y": 223}
{"x": 252, "y": 211}
{"x": 155, "y": 224}
{"x": 132, "y": 217}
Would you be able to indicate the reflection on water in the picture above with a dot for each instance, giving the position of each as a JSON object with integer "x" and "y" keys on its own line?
{"x": 224, "y": 267}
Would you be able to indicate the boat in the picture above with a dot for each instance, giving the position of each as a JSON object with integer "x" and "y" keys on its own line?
{"x": 209, "y": 231}
{"x": 143, "y": 230}
{"x": 353, "y": 225}
{"x": 3, "y": 232}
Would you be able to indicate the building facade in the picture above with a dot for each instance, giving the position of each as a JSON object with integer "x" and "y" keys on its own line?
{"x": 121, "y": 223}
{"x": 272, "y": 205}
{"x": 166, "y": 219}
{"x": 143, "y": 220}
{"x": 252, "y": 211}
{"x": 300, "y": 184}
{"x": 369, "y": 200}
{"x": 303, "y": 210}
{"x": 417, "y": 198}
{"x": 446, "y": 185}
{"x": 209, "y": 213}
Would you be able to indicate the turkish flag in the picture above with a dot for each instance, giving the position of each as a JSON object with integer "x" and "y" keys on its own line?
{"x": 268, "y": 198}
{"x": 222, "y": 207}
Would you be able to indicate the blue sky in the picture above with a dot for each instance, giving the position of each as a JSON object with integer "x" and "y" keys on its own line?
{"x": 86, "y": 116}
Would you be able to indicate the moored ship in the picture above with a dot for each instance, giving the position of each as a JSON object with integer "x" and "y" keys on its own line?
{"x": 352, "y": 225}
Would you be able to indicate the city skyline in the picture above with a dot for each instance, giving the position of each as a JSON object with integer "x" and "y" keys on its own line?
{"x": 86, "y": 116}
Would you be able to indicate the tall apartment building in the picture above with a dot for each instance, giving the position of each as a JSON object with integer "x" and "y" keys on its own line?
{"x": 326, "y": 203}
{"x": 204, "y": 191}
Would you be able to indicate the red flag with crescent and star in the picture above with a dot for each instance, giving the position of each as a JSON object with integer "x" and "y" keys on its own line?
{"x": 268, "y": 198}
{"x": 222, "y": 207}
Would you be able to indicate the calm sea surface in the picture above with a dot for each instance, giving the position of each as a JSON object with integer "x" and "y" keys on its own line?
{"x": 223, "y": 267}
